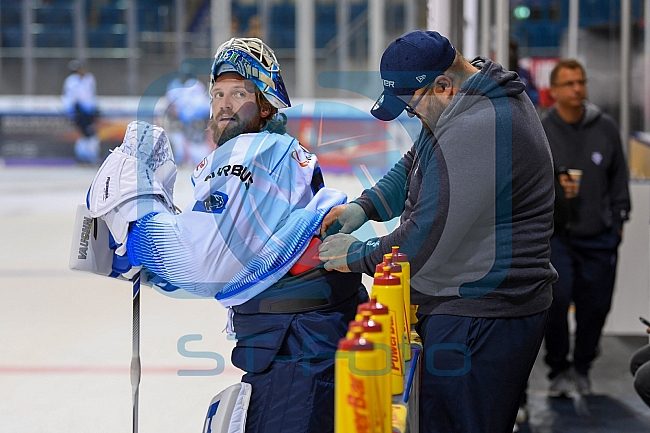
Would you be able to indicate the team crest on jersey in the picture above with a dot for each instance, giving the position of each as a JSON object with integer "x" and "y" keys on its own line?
{"x": 215, "y": 203}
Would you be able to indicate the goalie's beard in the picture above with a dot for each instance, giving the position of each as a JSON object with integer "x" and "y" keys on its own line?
{"x": 237, "y": 126}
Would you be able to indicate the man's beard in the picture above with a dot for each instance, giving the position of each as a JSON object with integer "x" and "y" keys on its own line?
{"x": 434, "y": 112}
{"x": 235, "y": 127}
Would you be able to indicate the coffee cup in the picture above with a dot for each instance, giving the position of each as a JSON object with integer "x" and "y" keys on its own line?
{"x": 575, "y": 175}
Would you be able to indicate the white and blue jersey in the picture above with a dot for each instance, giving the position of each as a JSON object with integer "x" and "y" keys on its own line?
{"x": 258, "y": 200}
{"x": 79, "y": 91}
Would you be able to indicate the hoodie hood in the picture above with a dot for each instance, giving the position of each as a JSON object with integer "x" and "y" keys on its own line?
{"x": 492, "y": 80}
{"x": 592, "y": 112}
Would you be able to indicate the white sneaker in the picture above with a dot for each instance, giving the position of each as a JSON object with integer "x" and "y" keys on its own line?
{"x": 561, "y": 385}
{"x": 582, "y": 383}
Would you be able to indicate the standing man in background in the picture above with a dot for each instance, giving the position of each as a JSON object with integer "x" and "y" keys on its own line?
{"x": 80, "y": 106}
{"x": 475, "y": 200}
{"x": 592, "y": 202}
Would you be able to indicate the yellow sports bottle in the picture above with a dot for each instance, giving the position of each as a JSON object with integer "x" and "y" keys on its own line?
{"x": 402, "y": 259}
{"x": 371, "y": 330}
{"x": 397, "y": 269}
{"x": 388, "y": 290}
{"x": 356, "y": 400}
{"x": 380, "y": 314}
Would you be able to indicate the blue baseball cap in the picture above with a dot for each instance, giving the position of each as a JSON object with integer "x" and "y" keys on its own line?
{"x": 411, "y": 62}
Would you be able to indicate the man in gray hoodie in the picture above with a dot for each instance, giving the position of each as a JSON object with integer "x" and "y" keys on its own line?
{"x": 589, "y": 214}
{"x": 475, "y": 200}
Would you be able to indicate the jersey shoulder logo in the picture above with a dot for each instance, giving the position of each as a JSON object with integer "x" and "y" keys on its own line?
{"x": 302, "y": 161}
{"x": 199, "y": 168}
{"x": 597, "y": 158}
{"x": 215, "y": 203}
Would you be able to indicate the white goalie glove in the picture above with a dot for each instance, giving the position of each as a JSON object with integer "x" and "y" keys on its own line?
{"x": 136, "y": 178}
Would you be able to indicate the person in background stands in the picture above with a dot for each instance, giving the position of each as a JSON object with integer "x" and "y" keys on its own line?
{"x": 80, "y": 106}
{"x": 592, "y": 202}
{"x": 188, "y": 112}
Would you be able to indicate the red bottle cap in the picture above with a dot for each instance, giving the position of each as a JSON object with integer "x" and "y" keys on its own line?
{"x": 387, "y": 279}
{"x": 367, "y": 325}
{"x": 373, "y": 307}
{"x": 355, "y": 344}
{"x": 388, "y": 261}
{"x": 399, "y": 257}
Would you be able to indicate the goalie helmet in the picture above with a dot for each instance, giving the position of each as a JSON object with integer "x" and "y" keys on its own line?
{"x": 254, "y": 60}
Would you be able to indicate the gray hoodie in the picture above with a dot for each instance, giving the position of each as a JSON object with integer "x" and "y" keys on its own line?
{"x": 476, "y": 205}
{"x": 592, "y": 145}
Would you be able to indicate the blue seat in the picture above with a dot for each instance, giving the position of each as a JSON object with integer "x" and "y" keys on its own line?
{"x": 52, "y": 14}
{"x": 104, "y": 36}
{"x": 12, "y": 36}
{"x": 282, "y": 26}
{"x": 110, "y": 14}
{"x": 55, "y": 36}
{"x": 10, "y": 14}
{"x": 325, "y": 24}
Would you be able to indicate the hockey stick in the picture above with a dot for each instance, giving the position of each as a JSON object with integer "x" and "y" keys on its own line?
{"x": 135, "y": 354}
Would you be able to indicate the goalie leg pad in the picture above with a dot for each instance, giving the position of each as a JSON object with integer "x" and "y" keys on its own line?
{"x": 228, "y": 409}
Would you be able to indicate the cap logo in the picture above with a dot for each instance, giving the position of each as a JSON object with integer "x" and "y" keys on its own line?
{"x": 388, "y": 83}
{"x": 420, "y": 78}
{"x": 378, "y": 103}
